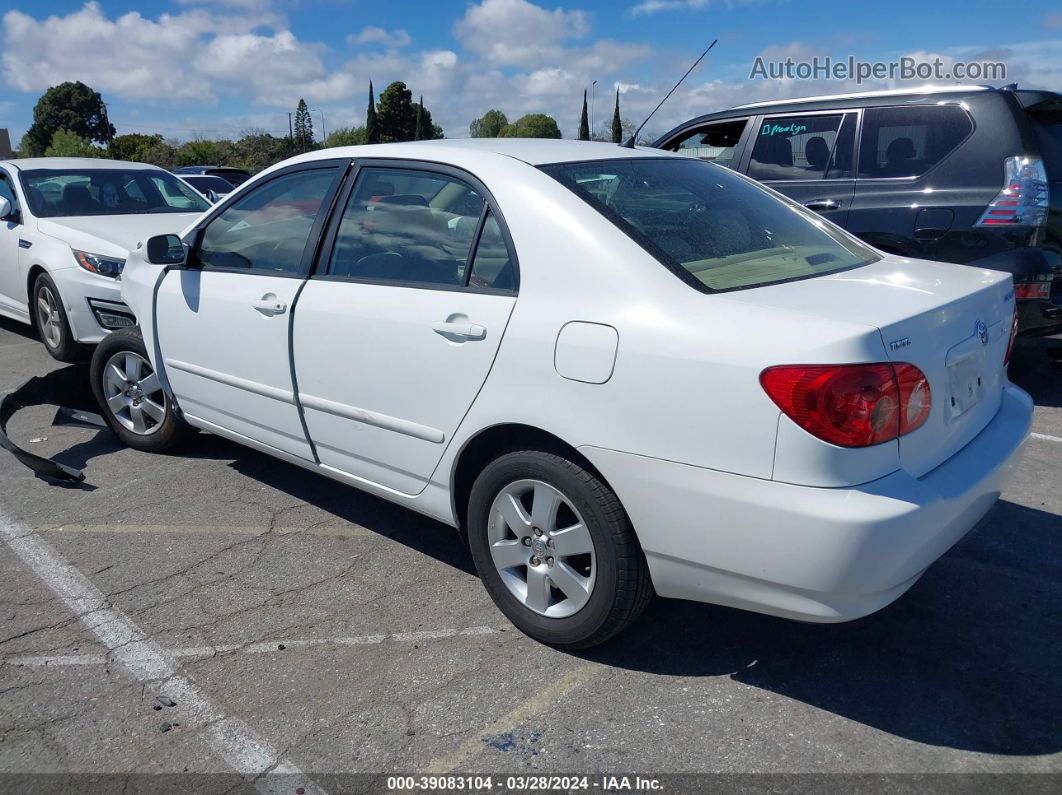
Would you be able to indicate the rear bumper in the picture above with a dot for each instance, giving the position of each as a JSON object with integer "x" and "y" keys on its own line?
{"x": 806, "y": 553}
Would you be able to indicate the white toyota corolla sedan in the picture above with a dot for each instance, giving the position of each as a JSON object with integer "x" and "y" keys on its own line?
{"x": 616, "y": 371}
{"x": 65, "y": 227}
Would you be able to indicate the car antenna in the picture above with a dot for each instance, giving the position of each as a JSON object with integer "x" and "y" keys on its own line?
{"x": 629, "y": 143}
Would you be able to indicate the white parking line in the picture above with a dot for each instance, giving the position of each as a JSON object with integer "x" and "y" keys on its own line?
{"x": 1046, "y": 437}
{"x": 263, "y": 647}
{"x": 230, "y": 738}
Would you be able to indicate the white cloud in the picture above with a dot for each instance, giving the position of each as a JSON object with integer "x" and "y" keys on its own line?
{"x": 516, "y": 32}
{"x": 387, "y": 38}
{"x": 653, "y": 6}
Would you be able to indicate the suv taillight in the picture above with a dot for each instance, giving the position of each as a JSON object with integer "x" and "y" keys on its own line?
{"x": 1024, "y": 198}
{"x": 851, "y": 405}
{"x": 1013, "y": 336}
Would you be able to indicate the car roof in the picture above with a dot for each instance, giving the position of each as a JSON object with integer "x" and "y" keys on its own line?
{"x": 533, "y": 151}
{"x": 893, "y": 92}
{"x": 71, "y": 163}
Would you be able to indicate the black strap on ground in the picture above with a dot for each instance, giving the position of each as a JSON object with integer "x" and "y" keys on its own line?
{"x": 65, "y": 388}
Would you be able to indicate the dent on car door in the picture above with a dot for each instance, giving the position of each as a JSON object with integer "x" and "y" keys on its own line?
{"x": 396, "y": 335}
{"x": 224, "y": 321}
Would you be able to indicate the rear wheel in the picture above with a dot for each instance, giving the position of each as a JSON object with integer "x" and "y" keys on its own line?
{"x": 130, "y": 395}
{"x": 49, "y": 318}
{"x": 556, "y": 550}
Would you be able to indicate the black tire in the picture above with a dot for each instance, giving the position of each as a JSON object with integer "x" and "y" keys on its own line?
{"x": 622, "y": 587}
{"x": 63, "y": 348}
{"x": 160, "y": 436}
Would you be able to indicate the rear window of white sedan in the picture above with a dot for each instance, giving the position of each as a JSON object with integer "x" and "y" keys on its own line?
{"x": 713, "y": 228}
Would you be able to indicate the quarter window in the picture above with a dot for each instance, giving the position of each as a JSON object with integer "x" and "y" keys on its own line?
{"x": 715, "y": 143}
{"x": 410, "y": 226}
{"x": 267, "y": 230}
{"x": 907, "y": 142}
{"x": 492, "y": 267}
{"x": 802, "y": 147}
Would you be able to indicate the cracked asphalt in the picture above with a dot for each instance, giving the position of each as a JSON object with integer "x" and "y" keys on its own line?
{"x": 345, "y": 635}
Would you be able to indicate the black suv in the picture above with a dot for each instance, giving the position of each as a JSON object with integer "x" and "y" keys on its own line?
{"x": 961, "y": 174}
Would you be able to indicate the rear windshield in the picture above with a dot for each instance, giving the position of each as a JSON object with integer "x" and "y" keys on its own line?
{"x": 216, "y": 184}
{"x": 1049, "y": 131}
{"x": 234, "y": 177}
{"x": 108, "y": 191}
{"x": 713, "y": 228}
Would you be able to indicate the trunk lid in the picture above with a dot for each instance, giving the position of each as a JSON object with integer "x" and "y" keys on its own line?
{"x": 929, "y": 314}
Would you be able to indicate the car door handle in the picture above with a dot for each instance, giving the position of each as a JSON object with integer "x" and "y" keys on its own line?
{"x": 818, "y": 205}
{"x": 468, "y": 331}
{"x": 269, "y": 305}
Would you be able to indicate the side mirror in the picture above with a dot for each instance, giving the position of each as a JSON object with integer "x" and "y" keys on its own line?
{"x": 7, "y": 212}
{"x": 212, "y": 196}
{"x": 165, "y": 250}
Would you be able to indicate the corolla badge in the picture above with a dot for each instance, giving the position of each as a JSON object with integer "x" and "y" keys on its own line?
{"x": 982, "y": 332}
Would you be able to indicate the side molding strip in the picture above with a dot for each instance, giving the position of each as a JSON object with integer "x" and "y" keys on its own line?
{"x": 384, "y": 421}
{"x": 283, "y": 395}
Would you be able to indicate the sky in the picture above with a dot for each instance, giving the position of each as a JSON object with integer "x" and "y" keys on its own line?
{"x": 218, "y": 68}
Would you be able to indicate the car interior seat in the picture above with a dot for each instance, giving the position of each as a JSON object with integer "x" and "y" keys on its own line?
{"x": 78, "y": 201}
{"x": 817, "y": 152}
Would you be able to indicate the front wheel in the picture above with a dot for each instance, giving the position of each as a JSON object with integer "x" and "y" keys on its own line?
{"x": 49, "y": 317}
{"x": 555, "y": 549}
{"x": 130, "y": 395}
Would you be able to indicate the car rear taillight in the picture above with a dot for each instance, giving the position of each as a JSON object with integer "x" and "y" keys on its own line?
{"x": 1013, "y": 336}
{"x": 1032, "y": 291}
{"x": 851, "y": 405}
{"x": 1024, "y": 198}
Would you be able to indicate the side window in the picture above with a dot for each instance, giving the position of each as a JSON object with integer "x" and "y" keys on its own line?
{"x": 176, "y": 194}
{"x": 403, "y": 225}
{"x": 794, "y": 147}
{"x": 715, "y": 143}
{"x": 492, "y": 267}
{"x": 6, "y": 190}
{"x": 908, "y": 141}
{"x": 268, "y": 228}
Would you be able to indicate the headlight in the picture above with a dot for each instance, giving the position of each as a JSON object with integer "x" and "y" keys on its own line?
{"x": 97, "y": 263}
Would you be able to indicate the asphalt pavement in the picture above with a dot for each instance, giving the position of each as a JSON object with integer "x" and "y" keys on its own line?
{"x": 219, "y": 611}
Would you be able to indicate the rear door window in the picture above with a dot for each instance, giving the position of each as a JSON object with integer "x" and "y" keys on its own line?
{"x": 803, "y": 147}
{"x": 908, "y": 141}
{"x": 716, "y": 143}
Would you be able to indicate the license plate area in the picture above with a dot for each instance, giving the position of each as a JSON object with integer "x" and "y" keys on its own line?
{"x": 966, "y": 379}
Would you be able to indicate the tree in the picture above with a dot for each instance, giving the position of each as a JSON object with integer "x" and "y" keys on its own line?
{"x": 489, "y": 125}
{"x": 533, "y": 125}
{"x": 347, "y": 136}
{"x": 617, "y": 123}
{"x": 372, "y": 126}
{"x": 256, "y": 150}
{"x": 202, "y": 152}
{"x": 584, "y": 122}
{"x": 132, "y": 146}
{"x": 419, "y": 128}
{"x": 395, "y": 113}
{"x": 73, "y": 107}
{"x": 67, "y": 144}
{"x": 303, "y": 134}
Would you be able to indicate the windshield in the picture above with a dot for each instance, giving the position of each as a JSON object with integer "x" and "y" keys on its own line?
{"x": 713, "y": 228}
{"x": 108, "y": 191}
{"x": 234, "y": 176}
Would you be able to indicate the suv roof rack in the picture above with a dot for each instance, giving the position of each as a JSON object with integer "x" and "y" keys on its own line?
{"x": 892, "y": 92}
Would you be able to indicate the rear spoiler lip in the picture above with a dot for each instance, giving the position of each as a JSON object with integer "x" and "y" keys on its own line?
{"x": 30, "y": 394}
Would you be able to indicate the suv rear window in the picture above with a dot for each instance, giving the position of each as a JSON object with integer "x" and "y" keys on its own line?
{"x": 908, "y": 141}
{"x": 714, "y": 229}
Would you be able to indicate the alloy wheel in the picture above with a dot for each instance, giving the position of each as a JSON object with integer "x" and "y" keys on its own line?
{"x": 134, "y": 393}
{"x": 542, "y": 548}
{"x": 49, "y": 321}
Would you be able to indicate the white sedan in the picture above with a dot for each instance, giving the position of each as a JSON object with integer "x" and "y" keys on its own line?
{"x": 616, "y": 371}
{"x": 65, "y": 227}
